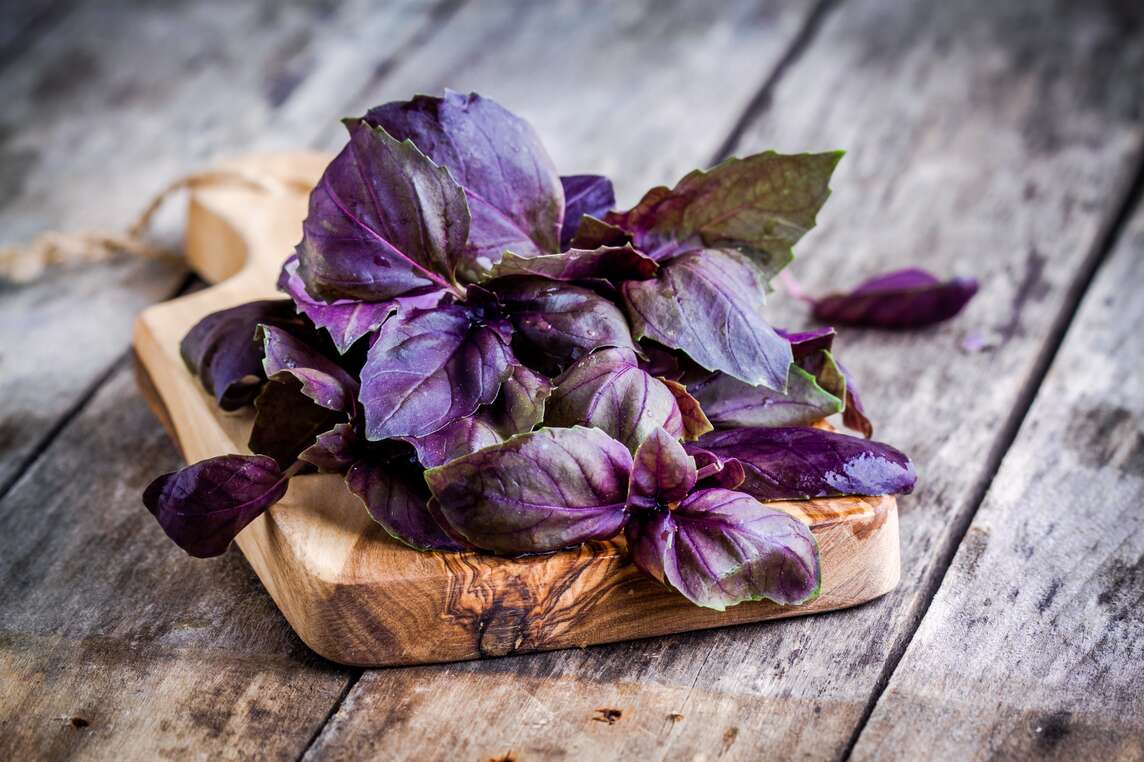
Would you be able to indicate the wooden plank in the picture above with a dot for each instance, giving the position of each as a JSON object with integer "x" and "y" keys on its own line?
{"x": 986, "y": 139}
{"x": 112, "y": 645}
{"x": 120, "y": 99}
{"x": 1034, "y": 645}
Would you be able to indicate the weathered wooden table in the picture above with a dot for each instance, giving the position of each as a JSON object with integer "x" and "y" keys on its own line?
{"x": 999, "y": 139}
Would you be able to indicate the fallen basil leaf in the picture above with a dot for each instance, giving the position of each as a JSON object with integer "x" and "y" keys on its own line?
{"x": 607, "y": 389}
{"x": 203, "y": 506}
{"x": 903, "y": 299}
{"x": 662, "y": 472}
{"x": 800, "y": 463}
{"x": 558, "y": 323}
{"x": 396, "y": 498}
{"x": 584, "y": 195}
{"x": 537, "y": 492}
{"x": 513, "y": 189}
{"x": 720, "y": 548}
{"x": 348, "y": 320}
{"x": 709, "y": 304}
{"x": 222, "y": 351}
{"x": 610, "y": 262}
{"x": 761, "y": 205}
{"x": 384, "y": 220}
{"x": 430, "y": 367}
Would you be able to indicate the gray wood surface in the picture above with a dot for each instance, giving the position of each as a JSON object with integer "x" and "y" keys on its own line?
{"x": 991, "y": 139}
{"x": 1033, "y": 645}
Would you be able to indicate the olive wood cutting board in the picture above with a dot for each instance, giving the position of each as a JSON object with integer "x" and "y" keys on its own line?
{"x": 355, "y": 595}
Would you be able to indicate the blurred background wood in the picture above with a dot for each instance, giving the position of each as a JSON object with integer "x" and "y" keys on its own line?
{"x": 1001, "y": 140}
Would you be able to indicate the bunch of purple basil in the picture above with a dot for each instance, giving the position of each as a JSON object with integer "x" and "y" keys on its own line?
{"x": 497, "y": 361}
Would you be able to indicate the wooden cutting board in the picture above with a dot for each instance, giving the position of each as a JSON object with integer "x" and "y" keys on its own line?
{"x": 358, "y": 597}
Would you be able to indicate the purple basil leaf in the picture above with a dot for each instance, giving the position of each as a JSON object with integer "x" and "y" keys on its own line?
{"x": 558, "y": 323}
{"x": 662, "y": 472}
{"x": 709, "y": 304}
{"x": 512, "y": 187}
{"x": 594, "y": 233}
{"x": 458, "y": 438}
{"x": 384, "y": 220}
{"x": 903, "y": 299}
{"x": 323, "y": 380}
{"x": 812, "y": 353}
{"x": 584, "y": 194}
{"x": 537, "y": 492}
{"x": 397, "y": 499}
{"x": 695, "y": 421}
{"x": 805, "y": 343}
{"x": 521, "y": 402}
{"x": 606, "y": 262}
{"x": 854, "y": 415}
{"x": 518, "y": 407}
{"x": 287, "y": 421}
{"x": 347, "y": 320}
{"x": 661, "y": 362}
{"x": 800, "y": 463}
{"x": 729, "y": 403}
{"x": 607, "y": 389}
{"x": 333, "y": 451}
{"x": 714, "y": 471}
{"x": 203, "y": 506}
{"x": 760, "y": 205}
{"x": 720, "y": 548}
{"x": 430, "y": 367}
{"x": 222, "y": 351}
{"x": 307, "y": 394}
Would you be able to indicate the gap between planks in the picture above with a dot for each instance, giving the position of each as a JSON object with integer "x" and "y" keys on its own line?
{"x": 1130, "y": 197}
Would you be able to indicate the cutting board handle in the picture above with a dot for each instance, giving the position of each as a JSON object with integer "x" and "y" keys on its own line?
{"x": 240, "y": 231}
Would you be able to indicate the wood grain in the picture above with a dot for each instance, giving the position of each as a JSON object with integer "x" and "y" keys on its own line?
{"x": 357, "y": 596}
{"x": 992, "y": 139}
{"x": 1034, "y": 645}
